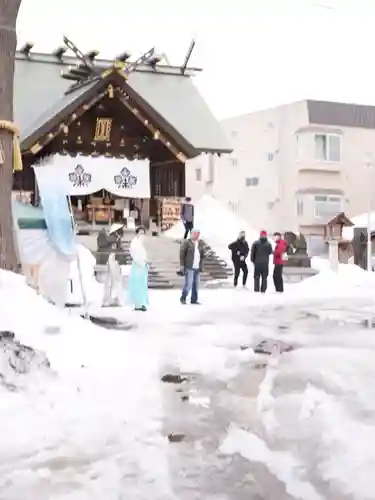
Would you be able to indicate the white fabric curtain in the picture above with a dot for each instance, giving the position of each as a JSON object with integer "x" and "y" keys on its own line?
{"x": 53, "y": 271}
{"x": 83, "y": 175}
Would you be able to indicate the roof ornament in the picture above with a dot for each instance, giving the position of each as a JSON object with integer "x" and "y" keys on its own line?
{"x": 59, "y": 52}
{"x": 144, "y": 58}
{"x": 123, "y": 57}
{"x": 84, "y": 72}
{"x": 92, "y": 54}
{"x": 188, "y": 56}
{"x": 26, "y": 49}
{"x": 124, "y": 67}
{"x": 85, "y": 60}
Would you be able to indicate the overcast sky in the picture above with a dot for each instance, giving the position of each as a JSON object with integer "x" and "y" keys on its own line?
{"x": 255, "y": 54}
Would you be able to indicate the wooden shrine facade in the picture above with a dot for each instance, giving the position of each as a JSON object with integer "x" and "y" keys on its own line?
{"x": 102, "y": 117}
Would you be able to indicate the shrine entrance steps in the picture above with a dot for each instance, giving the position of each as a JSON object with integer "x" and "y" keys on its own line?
{"x": 163, "y": 254}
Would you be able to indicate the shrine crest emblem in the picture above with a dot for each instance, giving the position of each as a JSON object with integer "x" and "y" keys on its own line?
{"x": 125, "y": 180}
{"x": 80, "y": 178}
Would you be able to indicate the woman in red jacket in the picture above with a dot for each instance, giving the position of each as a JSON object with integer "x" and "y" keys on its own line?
{"x": 278, "y": 261}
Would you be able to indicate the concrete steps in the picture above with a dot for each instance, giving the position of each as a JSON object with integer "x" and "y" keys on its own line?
{"x": 164, "y": 254}
{"x": 164, "y": 258}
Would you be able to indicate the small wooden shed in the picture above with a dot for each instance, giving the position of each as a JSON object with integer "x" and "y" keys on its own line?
{"x": 333, "y": 231}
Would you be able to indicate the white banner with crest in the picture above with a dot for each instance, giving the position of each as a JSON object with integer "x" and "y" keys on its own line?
{"x": 83, "y": 175}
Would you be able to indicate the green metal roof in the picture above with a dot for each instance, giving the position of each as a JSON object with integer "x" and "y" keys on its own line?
{"x": 63, "y": 103}
{"x": 39, "y": 91}
{"x": 28, "y": 217}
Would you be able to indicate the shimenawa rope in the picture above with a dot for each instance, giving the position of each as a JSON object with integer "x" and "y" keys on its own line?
{"x": 13, "y": 129}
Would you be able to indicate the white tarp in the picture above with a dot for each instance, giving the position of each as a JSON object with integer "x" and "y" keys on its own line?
{"x": 92, "y": 288}
{"x": 83, "y": 175}
{"x": 57, "y": 279}
{"x": 53, "y": 271}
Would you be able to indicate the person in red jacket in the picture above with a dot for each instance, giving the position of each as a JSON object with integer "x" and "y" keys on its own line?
{"x": 278, "y": 261}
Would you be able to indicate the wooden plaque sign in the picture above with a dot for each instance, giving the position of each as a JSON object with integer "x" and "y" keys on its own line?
{"x": 103, "y": 130}
{"x": 170, "y": 212}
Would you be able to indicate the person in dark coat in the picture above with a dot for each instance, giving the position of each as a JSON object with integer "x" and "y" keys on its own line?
{"x": 278, "y": 262}
{"x": 240, "y": 251}
{"x": 191, "y": 265}
{"x": 187, "y": 216}
{"x": 261, "y": 250}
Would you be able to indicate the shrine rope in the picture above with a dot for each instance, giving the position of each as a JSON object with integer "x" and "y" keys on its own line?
{"x": 13, "y": 129}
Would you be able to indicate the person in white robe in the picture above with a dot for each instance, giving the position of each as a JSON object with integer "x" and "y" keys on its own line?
{"x": 138, "y": 279}
{"x": 113, "y": 286}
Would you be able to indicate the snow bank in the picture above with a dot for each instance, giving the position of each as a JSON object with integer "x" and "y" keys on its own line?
{"x": 282, "y": 464}
{"x": 320, "y": 263}
{"x": 218, "y": 225}
{"x": 21, "y": 307}
{"x": 324, "y": 409}
{"x": 96, "y": 415}
{"x": 348, "y": 280}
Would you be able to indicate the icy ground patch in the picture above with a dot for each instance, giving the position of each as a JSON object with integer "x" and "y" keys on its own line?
{"x": 97, "y": 426}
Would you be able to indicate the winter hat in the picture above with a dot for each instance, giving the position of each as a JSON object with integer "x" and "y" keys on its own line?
{"x": 263, "y": 234}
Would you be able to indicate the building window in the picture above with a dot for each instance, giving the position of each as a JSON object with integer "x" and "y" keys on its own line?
{"x": 234, "y": 133}
{"x": 270, "y": 157}
{"x": 233, "y": 161}
{"x": 252, "y": 181}
{"x": 327, "y": 206}
{"x": 299, "y": 208}
{"x": 198, "y": 174}
{"x": 328, "y": 147}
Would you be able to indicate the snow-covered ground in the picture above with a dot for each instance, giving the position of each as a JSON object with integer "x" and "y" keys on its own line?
{"x": 96, "y": 426}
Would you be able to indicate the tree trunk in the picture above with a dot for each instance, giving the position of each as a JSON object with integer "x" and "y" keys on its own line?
{"x": 8, "y": 42}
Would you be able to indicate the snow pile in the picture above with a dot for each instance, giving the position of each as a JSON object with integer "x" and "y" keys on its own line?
{"x": 318, "y": 406}
{"x": 21, "y": 308}
{"x": 218, "y": 225}
{"x": 324, "y": 408}
{"x": 96, "y": 416}
{"x": 320, "y": 263}
{"x": 347, "y": 280}
{"x": 281, "y": 464}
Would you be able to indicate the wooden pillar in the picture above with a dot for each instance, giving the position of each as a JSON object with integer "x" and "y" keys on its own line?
{"x": 182, "y": 193}
{"x": 145, "y": 213}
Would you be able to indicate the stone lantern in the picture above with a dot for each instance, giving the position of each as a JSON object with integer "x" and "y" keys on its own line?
{"x": 333, "y": 236}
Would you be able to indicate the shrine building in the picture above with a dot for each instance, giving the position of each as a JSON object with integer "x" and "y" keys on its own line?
{"x": 122, "y": 130}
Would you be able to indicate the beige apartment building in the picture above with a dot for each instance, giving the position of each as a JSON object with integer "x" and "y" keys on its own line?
{"x": 293, "y": 167}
